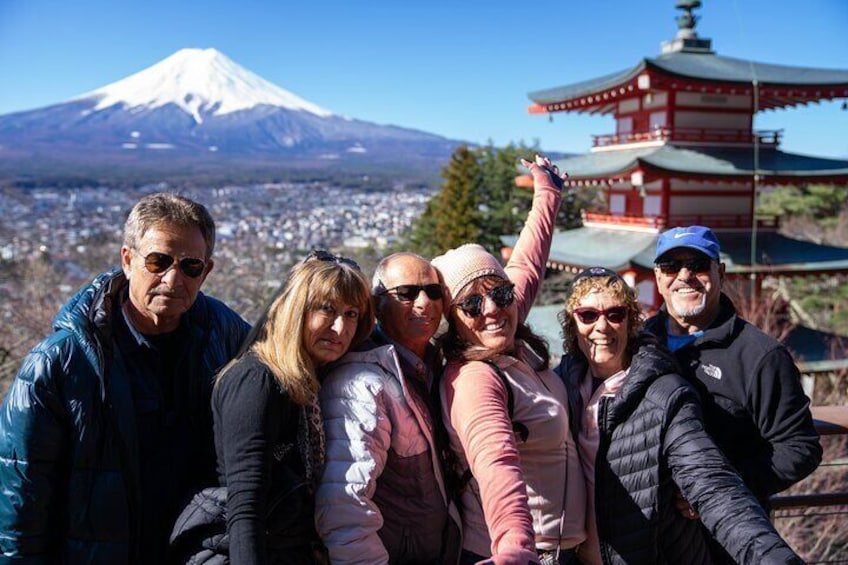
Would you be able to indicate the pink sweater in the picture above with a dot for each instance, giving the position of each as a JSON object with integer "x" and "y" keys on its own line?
{"x": 523, "y": 494}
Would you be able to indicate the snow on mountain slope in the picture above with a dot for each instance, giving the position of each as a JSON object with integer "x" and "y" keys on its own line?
{"x": 198, "y": 81}
{"x": 198, "y": 111}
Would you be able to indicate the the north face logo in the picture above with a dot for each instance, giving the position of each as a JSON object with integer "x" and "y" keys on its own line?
{"x": 712, "y": 370}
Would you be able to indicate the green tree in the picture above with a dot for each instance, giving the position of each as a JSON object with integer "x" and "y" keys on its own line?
{"x": 503, "y": 204}
{"x": 421, "y": 237}
{"x": 480, "y": 202}
{"x": 459, "y": 218}
{"x": 815, "y": 200}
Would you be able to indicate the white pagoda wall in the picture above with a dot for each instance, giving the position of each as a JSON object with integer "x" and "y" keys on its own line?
{"x": 710, "y": 120}
{"x": 735, "y": 101}
{"x": 709, "y": 206}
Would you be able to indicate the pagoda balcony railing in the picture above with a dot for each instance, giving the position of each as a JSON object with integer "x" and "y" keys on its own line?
{"x": 692, "y": 135}
{"x": 739, "y": 221}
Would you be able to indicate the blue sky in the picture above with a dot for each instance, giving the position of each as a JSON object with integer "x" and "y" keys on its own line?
{"x": 457, "y": 68}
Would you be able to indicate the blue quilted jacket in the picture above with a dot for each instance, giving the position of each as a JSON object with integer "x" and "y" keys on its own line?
{"x": 69, "y": 466}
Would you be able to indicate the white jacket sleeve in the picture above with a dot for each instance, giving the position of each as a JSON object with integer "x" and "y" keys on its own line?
{"x": 358, "y": 434}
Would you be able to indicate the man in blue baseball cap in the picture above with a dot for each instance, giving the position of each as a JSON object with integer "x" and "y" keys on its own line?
{"x": 754, "y": 406}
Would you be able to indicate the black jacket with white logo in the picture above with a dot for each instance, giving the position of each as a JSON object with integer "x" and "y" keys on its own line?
{"x": 753, "y": 403}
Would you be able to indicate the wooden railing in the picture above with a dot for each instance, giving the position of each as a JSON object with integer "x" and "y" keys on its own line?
{"x": 696, "y": 135}
{"x": 823, "y": 512}
{"x": 829, "y": 421}
{"x": 661, "y": 222}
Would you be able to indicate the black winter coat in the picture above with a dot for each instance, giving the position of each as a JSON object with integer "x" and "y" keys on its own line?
{"x": 271, "y": 503}
{"x": 69, "y": 463}
{"x": 652, "y": 441}
{"x": 754, "y": 406}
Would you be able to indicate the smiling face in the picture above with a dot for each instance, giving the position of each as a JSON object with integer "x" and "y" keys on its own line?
{"x": 158, "y": 300}
{"x": 328, "y": 331}
{"x": 412, "y": 323}
{"x": 691, "y": 298}
{"x": 604, "y": 343}
{"x": 494, "y": 328}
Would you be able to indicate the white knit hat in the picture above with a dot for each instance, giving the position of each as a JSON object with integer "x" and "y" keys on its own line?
{"x": 466, "y": 263}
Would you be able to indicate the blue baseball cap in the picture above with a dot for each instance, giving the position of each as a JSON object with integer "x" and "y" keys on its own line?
{"x": 698, "y": 238}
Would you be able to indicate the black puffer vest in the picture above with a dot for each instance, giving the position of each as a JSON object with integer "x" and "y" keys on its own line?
{"x": 652, "y": 440}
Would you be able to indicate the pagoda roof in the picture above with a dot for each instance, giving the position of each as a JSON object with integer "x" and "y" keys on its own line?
{"x": 703, "y": 67}
{"x": 621, "y": 249}
{"x": 597, "y": 247}
{"x": 710, "y": 161}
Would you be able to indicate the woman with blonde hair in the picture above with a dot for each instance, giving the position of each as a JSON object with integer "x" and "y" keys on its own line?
{"x": 269, "y": 437}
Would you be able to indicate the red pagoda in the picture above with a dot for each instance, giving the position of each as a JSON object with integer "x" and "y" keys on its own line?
{"x": 684, "y": 152}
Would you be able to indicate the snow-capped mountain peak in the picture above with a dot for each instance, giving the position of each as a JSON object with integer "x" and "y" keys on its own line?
{"x": 197, "y": 81}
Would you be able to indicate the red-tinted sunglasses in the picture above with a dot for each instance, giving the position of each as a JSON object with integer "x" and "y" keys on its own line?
{"x": 614, "y": 315}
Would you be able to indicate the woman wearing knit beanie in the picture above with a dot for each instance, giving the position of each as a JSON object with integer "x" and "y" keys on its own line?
{"x": 506, "y": 415}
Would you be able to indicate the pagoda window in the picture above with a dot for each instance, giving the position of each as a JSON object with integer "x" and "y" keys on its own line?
{"x": 624, "y": 125}
{"x": 717, "y": 205}
{"x": 658, "y": 120}
{"x": 652, "y": 205}
{"x": 617, "y": 204}
{"x": 628, "y": 106}
{"x": 711, "y": 120}
{"x": 655, "y": 100}
{"x": 696, "y": 99}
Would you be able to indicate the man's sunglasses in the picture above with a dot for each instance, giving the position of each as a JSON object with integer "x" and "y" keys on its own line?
{"x": 502, "y": 296}
{"x": 323, "y": 255}
{"x": 410, "y": 292}
{"x": 614, "y": 315}
{"x": 694, "y": 265}
{"x": 159, "y": 263}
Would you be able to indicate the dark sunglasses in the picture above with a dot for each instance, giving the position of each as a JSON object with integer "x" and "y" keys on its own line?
{"x": 614, "y": 315}
{"x": 502, "y": 296}
{"x": 323, "y": 255}
{"x": 693, "y": 265}
{"x": 410, "y": 292}
{"x": 159, "y": 263}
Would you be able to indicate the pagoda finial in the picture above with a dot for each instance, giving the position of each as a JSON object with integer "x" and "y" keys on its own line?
{"x": 687, "y": 20}
{"x": 686, "y": 39}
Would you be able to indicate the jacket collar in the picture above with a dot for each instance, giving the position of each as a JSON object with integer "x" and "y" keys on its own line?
{"x": 719, "y": 331}
{"x": 649, "y": 362}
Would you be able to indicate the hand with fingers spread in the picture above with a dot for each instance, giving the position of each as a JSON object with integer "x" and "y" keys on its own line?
{"x": 545, "y": 173}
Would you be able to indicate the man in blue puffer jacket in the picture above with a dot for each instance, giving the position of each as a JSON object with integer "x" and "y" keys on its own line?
{"x": 107, "y": 427}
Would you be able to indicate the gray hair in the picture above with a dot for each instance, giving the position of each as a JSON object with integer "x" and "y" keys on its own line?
{"x": 163, "y": 208}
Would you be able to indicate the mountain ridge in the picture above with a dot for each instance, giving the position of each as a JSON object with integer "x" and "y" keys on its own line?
{"x": 198, "y": 109}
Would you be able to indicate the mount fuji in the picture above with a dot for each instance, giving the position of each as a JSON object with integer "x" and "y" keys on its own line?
{"x": 198, "y": 111}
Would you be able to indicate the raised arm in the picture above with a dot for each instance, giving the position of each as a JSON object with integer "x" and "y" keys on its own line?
{"x": 358, "y": 434}
{"x": 526, "y": 265}
{"x": 727, "y": 508}
{"x": 475, "y": 401}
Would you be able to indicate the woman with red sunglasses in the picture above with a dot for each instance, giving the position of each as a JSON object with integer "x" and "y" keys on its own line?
{"x": 642, "y": 443}
{"x": 505, "y": 413}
